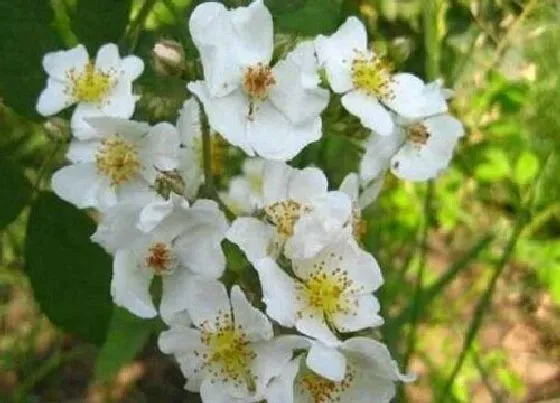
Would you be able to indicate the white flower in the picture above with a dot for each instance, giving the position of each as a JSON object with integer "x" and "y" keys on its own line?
{"x": 100, "y": 88}
{"x": 358, "y": 370}
{"x": 269, "y": 111}
{"x": 416, "y": 151}
{"x": 303, "y": 215}
{"x": 245, "y": 192}
{"x": 370, "y": 90}
{"x": 331, "y": 290}
{"x": 123, "y": 155}
{"x": 229, "y": 355}
{"x": 166, "y": 241}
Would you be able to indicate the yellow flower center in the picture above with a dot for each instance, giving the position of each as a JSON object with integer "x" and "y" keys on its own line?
{"x": 257, "y": 81}
{"x": 323, "y": 390}
{"x": 371, "y": 75}
{"x": 91, "y": 85}
{"x": 418, "y": 134}
{"x": 160, "y": 258}
{"x": 284, "y": 214}
{"x": 229, "y": 355}
{"x": 117, "y": 159}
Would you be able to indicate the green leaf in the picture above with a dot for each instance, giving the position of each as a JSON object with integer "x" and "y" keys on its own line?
{"x": 25, "y": 29}
{"x": 69, "y": 274}
{"x": 306, "y": 17}
{"x": 100, "y": 21}
{"x": 126, "y": 336}
{"x": 526, "y": 168}
{"x": 496, "y": 167}
{"x": 15, "y": 192}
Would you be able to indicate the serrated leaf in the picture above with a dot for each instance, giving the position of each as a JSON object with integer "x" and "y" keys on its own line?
{"x": 526, "y": 168}
{"x": 100, "y": 21}
{"x": 306, "y": 17}
{"x": 69, "y": 274}
{"x": 25, "y": 29}
{"x": 15, "y": 192}
{"x": 126, "y": 336}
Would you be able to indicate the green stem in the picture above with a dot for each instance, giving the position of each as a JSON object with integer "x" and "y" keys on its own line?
{"x": 130, "y": 39}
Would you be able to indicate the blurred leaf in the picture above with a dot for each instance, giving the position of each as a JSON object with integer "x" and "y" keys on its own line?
{"x": 126, "y": 336}
{"x": 100, "y": 21}
{"x": 15, "y": 192}
{"x": 25, "y": 29}
{"x": 496, "y": 167}
{"x": 306, "y": 17}
{"x": 69, "y": 274}
{"x": 526, "y": 168}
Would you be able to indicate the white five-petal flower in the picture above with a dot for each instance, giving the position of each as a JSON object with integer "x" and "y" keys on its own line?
{"x": 122, "y": 155}
{"x": 269, "y": 111}
{"x": 370, "y": 90}
{"x": 162, "y": 238}
{"x": 100, "y": 88}
{"x": 229, "y": 355}
{"x": 332, "y": 290}
{"x": 358, "y": 370}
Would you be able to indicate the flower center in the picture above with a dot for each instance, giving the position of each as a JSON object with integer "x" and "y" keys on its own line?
{"x": 160, "y": 259}
{"x": 92, "y": 85}
{"x": 229, "y": 353}
{"x": 258, "y": 80}
{"x": 284, "y": 215}
{"x": 324, "y": 390}
{"x": 371, "y": 75}
{"x": 117, "y": 159}
{"x": 418, "y": 134}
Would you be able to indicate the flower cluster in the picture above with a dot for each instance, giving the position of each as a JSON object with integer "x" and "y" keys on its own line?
{"x": 300, "y": 237}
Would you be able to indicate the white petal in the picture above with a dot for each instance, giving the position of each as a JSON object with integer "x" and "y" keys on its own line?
{"x": 296, "y": 93}
{"x": 444, "y": 127}
{"x": 108, "y": 58}
{"x": 337, "y": 51}
{"x": 279, "y": 292}
{"x": 379, "y": 150}
{"x": 254, "y": 33}
{"x": 364, "y": 314}
{"x": 80, "y": 185}
{"x": 108, "y": 126}
{"x": 254, "y": 323}
{"x": 239, "y": 196}
{"x": 253, "y": 237}
{"x": 314, "y": 326}
{"x": 58, "y": 64}
{"x": 412, "y": 100}
{"x": 191, "y": 172}
{"x": 173, "y": 300}
{"x": 132, "y": 67}
{"x": 414, "y": 164}
{"x": 188, "y": 122}
{"x": 227, "y": 115}
{"x": 272, "y": 136}
{"x": 153, "y": 214}
{"x": 223, "y": 391}
{"x": 371, "y": 192}
{"x": 206, "y": 301}
{"x": 120, "y": 102}
{"x": 351, "y": 186}
{"x": 326, "y": 361}
{"x": 80, "y": 127}
{"x": 53, "y": 98}
{"x": 370, "y": 112}
{"x": 213, "y": 34}
{"x": 307, "y": 184}
{"x": 281, "y": 388}
{"x": 159, "y": 151}
{"x": 82, "y": 151}
{"x": 130, "y": 285}
{"x": 276, "y": 177}
{"x": 204, "y": 229}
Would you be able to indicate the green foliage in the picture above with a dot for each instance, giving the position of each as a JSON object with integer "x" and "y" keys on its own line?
{"x": 15, "y": 192}
{"x": 126, "y": 336}
{"x": 306, "y": 17}
{"x": 25, "y": 29}
{"x": 100, "y": 21}
{"x": 70, "y": 275}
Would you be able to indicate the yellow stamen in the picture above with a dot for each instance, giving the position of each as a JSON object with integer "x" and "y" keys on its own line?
{"x": 323, "y": 390}
{"x": 258, "y": 80}
{"x": 418, "y": 134}
{"x": 160, "y": 258}
{"x": 371, "y": 75}
{"x": 91, "y": 85}
{"x": 117, "y": 159}
{"x": 284, "y": 215}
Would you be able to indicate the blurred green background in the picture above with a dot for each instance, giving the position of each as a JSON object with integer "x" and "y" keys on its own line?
{"x": 472, "y": 260}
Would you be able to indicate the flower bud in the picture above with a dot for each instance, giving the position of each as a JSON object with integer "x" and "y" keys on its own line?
{"x": 169, "y": 58}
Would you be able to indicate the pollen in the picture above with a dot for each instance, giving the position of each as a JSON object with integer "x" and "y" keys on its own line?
{"x": 117, "y": 159}
{"x": 418, "y": 134}
{"x": 229, "y": 355}
{"x": 160, "y": 258}
{"x": 323, "y": 390}
{"x": 258, "y": 80}
{"x": 284, "y": 214}
{"x": 372, "y": 75}
{"x": 91, "y": 85}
